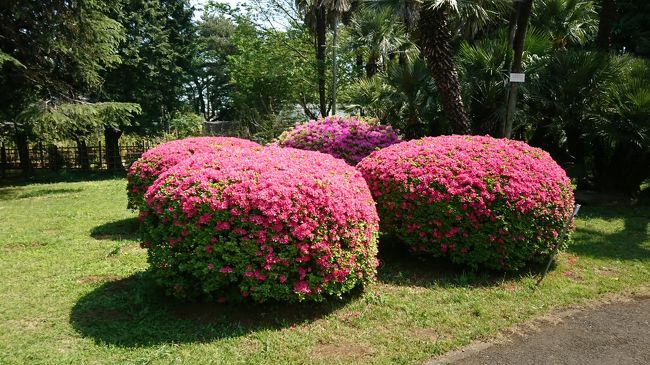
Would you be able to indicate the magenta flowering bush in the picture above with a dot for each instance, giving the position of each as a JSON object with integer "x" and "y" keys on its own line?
{"x": 351, "y": 138}
{"x": 269, "y": 223}
{"x": 480, "y": 201}
{"x": 157, "y": 160}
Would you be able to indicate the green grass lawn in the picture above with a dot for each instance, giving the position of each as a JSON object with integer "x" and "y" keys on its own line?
{"x": 74, "y": 290}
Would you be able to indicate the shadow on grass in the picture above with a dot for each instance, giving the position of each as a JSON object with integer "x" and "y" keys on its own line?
{"x": 399, "y": 266}
{"x": 47, "y": 176}
{"x": 123, "y": 229}
{"x": 133, "y": 312}
{"x": 14, "y": 194}
{"x": 628, "y": 243}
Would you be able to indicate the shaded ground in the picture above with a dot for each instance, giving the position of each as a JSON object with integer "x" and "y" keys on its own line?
{"x": 616, "y": 333}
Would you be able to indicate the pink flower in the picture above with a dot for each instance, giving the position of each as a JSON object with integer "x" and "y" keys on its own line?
{"x": 267, "y": 208}
{"x": 350, "y": 138}
{"x": 301, "y": 287}
{"x": 463, "y": 195}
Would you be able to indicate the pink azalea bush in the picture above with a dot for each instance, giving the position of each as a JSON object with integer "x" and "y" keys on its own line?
{"x": 480, "y": 201}
{"x": 350, "y": 138}
{"x": 269, "y": 223}
{"x": 157, "y": 160}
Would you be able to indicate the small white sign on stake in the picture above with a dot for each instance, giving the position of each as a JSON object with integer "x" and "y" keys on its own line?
{"x": 517, "y": 77}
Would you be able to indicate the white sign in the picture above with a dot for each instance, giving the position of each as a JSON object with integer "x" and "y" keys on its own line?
{"x": 515, "y": 77}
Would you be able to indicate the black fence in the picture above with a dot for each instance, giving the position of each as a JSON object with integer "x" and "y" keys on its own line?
{"x": 56, "y": 158}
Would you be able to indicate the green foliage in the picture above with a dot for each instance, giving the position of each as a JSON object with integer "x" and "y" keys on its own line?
{"x": 377, "y": 36}
{"x": 156, "y": 55}
{"x": 52, "y": 121}
{"x": 53, "y": 53}
{"x": 211, "y": 89}
{"x": 567, "y": 22}
{"x": 403, "y": 96}
{"x": 632, "y": 30}
{"x": 484, "y": 68}
{"x": 186, "y": 124}
{"x": 271, "y": 69}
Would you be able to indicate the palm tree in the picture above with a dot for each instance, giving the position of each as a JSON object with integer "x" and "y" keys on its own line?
{"x": 318, "y": 14}
{"x": 439, "y": 24}
{"x": 568, "y": 22}
{"x": 379, "y": 37}
{"x": 619, "y": 127}
{"x": 405, "y": 9}
{"x": 434, "y": 39}
{"x": 403, "y": 96}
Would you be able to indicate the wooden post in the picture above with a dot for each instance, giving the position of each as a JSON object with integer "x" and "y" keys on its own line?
{"x": 3, "y": 159}
{"x": 42, "y": 157}
{"x": 100, "y": 155}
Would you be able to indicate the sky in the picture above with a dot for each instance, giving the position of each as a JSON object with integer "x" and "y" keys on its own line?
{"x": 277, "y": 23}
{"x": 198, "y": 4}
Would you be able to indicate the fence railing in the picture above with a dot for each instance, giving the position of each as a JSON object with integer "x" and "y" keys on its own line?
{"x": 55, "y": 158}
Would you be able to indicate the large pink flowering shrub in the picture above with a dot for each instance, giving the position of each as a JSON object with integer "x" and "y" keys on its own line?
{"x": 269, "y": 223}
{"x": 480, "y": 201}
{"x": 157, "y": 160}
{"x": 349, "y": 138}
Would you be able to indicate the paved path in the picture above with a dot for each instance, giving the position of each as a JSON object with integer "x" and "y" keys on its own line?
{"x": 615, "y": 333}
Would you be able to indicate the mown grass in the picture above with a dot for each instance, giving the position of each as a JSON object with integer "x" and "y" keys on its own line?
{"x": 74, "y": 289}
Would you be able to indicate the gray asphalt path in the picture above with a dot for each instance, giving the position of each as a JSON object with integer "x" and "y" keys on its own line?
{"x": 615, "y": 333}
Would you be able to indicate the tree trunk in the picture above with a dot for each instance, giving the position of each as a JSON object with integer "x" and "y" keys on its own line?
{"x": 434, "y": 39}
{"x": 23, "y": 153}
{"x": 607, "y": 17}
{"x": 321, "y": 33}
{"x": 371, "y": 68}
{"x": 524, "y": 11}
{"x": 358, "y": 63}
{"x": 82, "y": 155}
{"x": 199, "y": 90}
{"x": 113, "y": 158}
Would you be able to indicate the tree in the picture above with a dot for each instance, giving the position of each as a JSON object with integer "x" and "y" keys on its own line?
{"x": 270, "y": 70}
{"x": 211, "y": 88}
{"x": 434, "y": 38}
{"x": 157, "y": 57}
{"x": 567, "y": 22}
{"x": 53, "y": 53}
{"x": 318, "y": 15}
{"x": 606, "y": 19}
{"x": 379, "y": 36}
{"x": 524, "y": 10}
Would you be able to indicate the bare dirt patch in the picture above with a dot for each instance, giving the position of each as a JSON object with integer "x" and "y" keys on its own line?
{"x": 341, "y": 351}
{"x": 425, "y": 334}
{"x": 30, "y": 324}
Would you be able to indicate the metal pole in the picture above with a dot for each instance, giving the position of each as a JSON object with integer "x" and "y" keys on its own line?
{"x": 336, "y": 23}
{"x": 557, "y": 247}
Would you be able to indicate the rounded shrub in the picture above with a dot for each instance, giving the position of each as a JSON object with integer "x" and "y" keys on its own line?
{"x": 269, "y": 223}
{"x": 350, "y": 138}
{"x": 480, "y": 201}
{"x": 157, "y": 160}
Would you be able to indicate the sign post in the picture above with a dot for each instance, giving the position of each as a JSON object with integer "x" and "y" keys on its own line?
{"x": 517, "y": 77}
